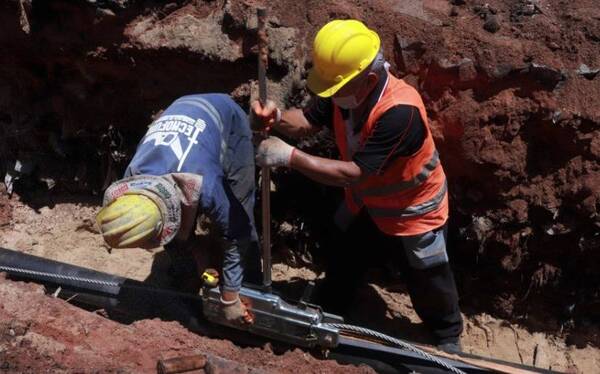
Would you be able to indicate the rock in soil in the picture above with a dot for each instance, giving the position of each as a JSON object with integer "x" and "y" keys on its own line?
{"x": 492, "y": 24}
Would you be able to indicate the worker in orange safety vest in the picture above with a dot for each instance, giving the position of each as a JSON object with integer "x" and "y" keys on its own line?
{"x": 390, "y": 171}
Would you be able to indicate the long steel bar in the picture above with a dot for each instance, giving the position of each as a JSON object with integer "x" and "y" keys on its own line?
{"x": 263, "y": 52}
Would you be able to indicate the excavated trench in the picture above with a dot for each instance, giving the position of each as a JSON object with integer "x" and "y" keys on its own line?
{"x": 514, "y": 113}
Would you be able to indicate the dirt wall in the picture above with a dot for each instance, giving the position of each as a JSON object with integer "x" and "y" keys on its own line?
{"x": 510, "y": 87}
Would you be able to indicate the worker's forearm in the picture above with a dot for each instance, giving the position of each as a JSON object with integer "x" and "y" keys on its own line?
{"x": 294, "y": 125}
{"x": 324, "y": 170}
{"x": 233, "y": 271}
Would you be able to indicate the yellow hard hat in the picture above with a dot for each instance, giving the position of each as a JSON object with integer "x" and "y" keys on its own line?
{"x": 131, "y": 220}
{"x": 341, "y": 50}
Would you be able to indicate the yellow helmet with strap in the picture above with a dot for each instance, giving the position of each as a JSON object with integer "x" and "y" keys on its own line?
{"x": 342, "y": 49}
{"x": 131, "y": 220}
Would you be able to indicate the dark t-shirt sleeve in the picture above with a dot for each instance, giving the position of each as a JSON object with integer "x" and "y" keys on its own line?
{"x": 400, "y": 131}
{"x": 319, "y": 112}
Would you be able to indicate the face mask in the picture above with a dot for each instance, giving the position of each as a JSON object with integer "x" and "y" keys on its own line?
{"x": 346, "y": 102}
{"x": 351, "y": 101}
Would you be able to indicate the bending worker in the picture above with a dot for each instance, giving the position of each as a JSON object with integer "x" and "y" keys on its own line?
{"x": 196, "y": 158}
{"x": 389, "y": 168}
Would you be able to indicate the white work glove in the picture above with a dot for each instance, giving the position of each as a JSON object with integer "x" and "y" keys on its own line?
{"x": 274, "y": 152}
{"x": 235, "y": 311}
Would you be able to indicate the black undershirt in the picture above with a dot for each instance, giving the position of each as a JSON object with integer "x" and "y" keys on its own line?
{"x": 398, "y": 132}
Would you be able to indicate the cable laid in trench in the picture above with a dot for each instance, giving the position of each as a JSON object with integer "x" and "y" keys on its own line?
{"x": 117, "y": 285}
{"x": 397, "y": 342}
{"x": 10, "y": 269}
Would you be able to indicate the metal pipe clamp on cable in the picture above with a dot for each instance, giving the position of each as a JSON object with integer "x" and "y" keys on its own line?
{"x": 397, "y": 342}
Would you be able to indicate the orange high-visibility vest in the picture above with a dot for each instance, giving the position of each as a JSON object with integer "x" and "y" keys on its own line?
{"x": 410, "y": 197}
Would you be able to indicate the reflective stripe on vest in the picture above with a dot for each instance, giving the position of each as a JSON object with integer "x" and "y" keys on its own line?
{"x": 415, "y": 210}
{"x": 406, "y": 184}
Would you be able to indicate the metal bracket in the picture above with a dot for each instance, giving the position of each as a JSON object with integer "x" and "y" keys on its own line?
{"x": 277, "y": 319}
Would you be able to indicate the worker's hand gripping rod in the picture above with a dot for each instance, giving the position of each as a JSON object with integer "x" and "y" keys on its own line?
{"x": 263, "y": 52}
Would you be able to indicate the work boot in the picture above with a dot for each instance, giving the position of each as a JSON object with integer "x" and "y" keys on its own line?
{"x": 450, "y": 347}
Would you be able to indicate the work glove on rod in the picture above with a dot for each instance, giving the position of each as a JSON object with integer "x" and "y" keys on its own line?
{"x": 274, "y": 152}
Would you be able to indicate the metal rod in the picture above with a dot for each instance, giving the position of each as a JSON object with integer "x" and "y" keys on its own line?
{"x": 263, "y": 52}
